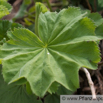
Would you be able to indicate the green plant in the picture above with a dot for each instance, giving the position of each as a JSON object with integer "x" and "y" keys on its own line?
{"x": 5, "y": 8}
{"x": 48, "y": 61}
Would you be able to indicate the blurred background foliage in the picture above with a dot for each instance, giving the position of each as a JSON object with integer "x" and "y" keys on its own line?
{"x": 26, "y": 11}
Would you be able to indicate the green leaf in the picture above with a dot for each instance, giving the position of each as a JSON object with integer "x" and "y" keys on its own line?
{"x": 52, "y": 99}
{"x": 15, "y": 25}
{"x": 31, "y": 27}
{"x": 28, "y": 88}
{"x": 5, "y": 8}
{"x": 3, "y": 11}
{"x": 96, "y": 17}
{"x": 5, "y": 26}
{"x": 66, "y": 43}
{"x": 59, "y": 90}
{"x": 63, "y": 91}
{"x": 15, "y": 94}
{"x": 6, "y": 4}
{"x": 1, "y": 78}
{"x": 53, "y": 88}
{"x": 100, "y": 5}
{"x": 99, "y": 30}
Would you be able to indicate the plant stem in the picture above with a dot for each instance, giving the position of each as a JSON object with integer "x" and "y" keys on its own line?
{"x": 48, "y": 3}
{"x": 91, "y": 84}
{"x": 95, "y": 5}
{"x": 90, "y": 8}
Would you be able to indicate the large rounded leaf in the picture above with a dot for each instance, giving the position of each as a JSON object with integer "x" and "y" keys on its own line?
{"x": 66, "y": 42}
{"x": 15, "y": 94}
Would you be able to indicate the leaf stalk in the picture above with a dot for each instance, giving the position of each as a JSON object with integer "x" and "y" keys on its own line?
{"x": 91, "y": 84}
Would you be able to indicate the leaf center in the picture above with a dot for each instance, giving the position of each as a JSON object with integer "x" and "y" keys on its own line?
{"x": 45, "y": 46}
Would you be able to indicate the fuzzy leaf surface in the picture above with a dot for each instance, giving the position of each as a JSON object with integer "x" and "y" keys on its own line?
{"x": 14, "y": 94}
{"x": 66, "y": 42}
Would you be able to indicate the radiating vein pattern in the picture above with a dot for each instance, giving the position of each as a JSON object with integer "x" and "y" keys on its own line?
{"x": 66, "y": 42}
